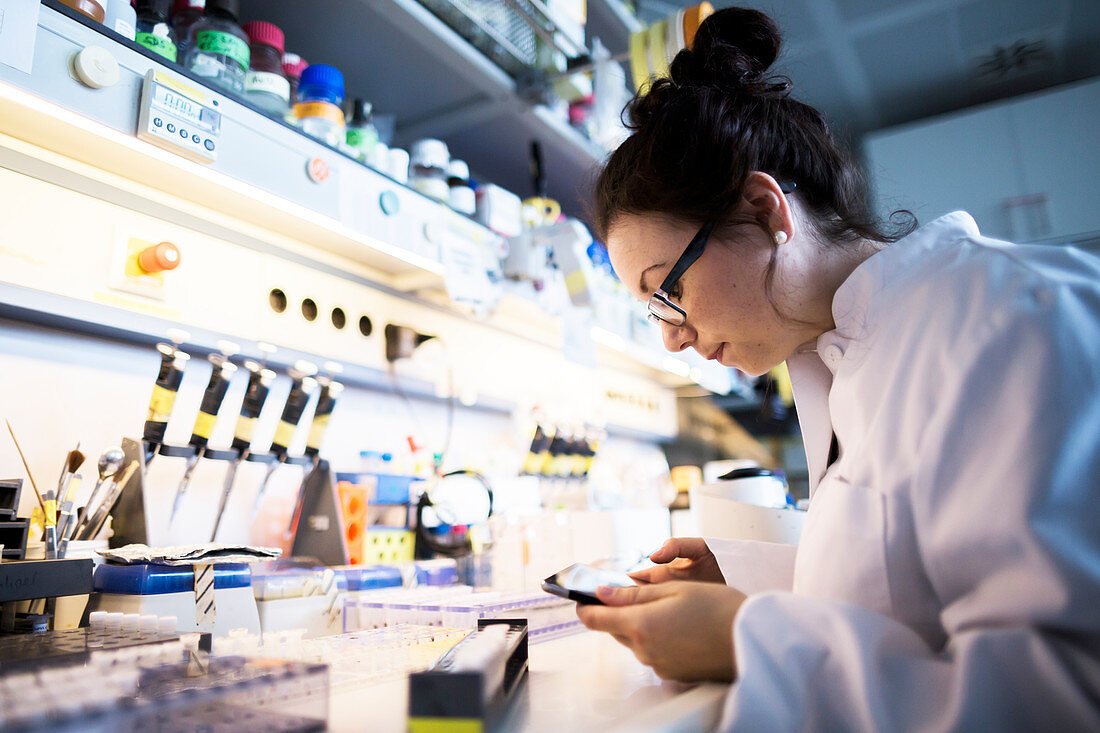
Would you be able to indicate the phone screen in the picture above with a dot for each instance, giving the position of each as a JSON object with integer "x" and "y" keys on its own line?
{"x": 584, "y": 579}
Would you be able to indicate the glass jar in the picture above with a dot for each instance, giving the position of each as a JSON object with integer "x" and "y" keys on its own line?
{"x": 217, "y": 48}
{"x": 266, "y": 86}
{"x": 94, "y": 9}
{"x": 153, "y": 30}
{"x": 461, "y": 197}
{"x": 428, "y": 161}
{"x": 185, "y": 13}
{"x": 361, "y": 135}
{"x": 320, "y": 94}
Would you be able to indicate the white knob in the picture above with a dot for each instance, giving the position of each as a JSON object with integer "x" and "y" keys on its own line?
{"x": 177, "y": 335}
{"x": 95, "y": 67}
{"x": 227, "y": 348}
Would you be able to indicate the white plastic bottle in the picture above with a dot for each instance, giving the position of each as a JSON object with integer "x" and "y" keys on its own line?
{"x": 121, "y": 18}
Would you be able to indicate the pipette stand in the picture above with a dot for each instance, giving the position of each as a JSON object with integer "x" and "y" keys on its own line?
{"x": 128, "y": 517}
{"x": 320, "y": 531}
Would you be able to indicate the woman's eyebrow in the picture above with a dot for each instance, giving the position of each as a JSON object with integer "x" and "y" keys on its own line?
{"x": 641, "y": 281}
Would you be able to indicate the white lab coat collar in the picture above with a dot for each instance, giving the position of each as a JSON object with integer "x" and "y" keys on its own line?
{"x": 813, "y": 364}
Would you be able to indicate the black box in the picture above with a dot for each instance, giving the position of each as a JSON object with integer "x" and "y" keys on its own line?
{"x": 10, "y": 489}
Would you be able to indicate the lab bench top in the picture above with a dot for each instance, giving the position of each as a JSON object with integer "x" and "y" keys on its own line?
{"x": 582, "y": 682}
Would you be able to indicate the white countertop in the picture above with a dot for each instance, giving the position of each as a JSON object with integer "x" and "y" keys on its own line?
{"x": 582, "y": 682}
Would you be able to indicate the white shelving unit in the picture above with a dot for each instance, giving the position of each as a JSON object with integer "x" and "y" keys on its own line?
{"x": 413, "y": 66}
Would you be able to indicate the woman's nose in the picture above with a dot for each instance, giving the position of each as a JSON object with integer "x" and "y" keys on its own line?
{"x": 677, "y": 338}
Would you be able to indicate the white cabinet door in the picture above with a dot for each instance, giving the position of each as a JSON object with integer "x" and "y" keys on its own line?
{"x": 960, "y": 162}
{"x": 1059, "y": 148}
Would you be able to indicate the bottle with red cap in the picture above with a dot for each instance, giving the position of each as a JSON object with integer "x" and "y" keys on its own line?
{"x": 185, "y": 13}
{"x": 266, "y": 85}
{"x": 293, "y": 66}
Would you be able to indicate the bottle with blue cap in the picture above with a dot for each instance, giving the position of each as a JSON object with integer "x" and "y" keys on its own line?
{"x": 320, "y": 94}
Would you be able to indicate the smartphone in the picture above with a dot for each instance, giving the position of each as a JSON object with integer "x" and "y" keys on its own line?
{"x": 579, "y": 582}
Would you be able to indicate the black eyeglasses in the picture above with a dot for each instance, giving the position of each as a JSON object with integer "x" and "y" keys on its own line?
{"x": 661, "y": 309}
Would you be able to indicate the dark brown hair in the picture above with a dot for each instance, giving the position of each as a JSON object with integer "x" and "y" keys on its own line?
{"x": 697, "y": 134}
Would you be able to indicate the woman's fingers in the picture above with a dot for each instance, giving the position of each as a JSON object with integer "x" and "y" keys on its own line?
{"x": 689, "y": 547}
{"x": 613, "y": 596}
{"x": 658, "y": 574}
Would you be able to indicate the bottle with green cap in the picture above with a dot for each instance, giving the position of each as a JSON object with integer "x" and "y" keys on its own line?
{"x": 217, "y": 47}
{"x": 153, "y": 30}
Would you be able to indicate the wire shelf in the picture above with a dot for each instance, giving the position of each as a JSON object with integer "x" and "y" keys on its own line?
{"x": 516, "y": 35}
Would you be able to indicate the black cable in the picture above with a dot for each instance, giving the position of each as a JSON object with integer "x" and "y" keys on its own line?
{"x": 450, "y": 404}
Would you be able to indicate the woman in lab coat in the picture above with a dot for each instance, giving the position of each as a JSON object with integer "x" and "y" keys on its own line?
{"x": 948, "y": 388}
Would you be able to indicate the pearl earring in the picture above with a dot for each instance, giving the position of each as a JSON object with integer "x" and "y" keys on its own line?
{"x": 781, "y": 237}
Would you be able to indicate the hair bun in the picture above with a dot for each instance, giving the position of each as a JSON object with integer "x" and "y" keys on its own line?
{"x": 733, "y": 47}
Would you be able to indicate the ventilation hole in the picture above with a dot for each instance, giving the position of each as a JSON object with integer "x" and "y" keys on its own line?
{"x": 365, "y": 326}
{"x": 309, "y": 309}
{"x": 277, "y": 299}
{"x": 338, "y": 318}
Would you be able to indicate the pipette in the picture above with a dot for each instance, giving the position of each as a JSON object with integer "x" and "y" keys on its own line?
{"x": 220, "y": 375}
{"x": 302, "y": 386}
{"x": 172, "y": 363}
{"x": 326, "y": 403}
{"x": 259, "y": 383}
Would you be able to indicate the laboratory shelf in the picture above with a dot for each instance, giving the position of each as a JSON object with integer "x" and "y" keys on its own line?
{"x": 411, "y": 65}
{"x": 113, "y": 161}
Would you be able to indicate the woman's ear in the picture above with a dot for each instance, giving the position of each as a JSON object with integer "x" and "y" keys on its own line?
{"x": 765, "y": 202}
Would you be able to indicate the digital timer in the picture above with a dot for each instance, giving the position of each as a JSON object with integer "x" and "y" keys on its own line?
{"x": 173, "y": 116}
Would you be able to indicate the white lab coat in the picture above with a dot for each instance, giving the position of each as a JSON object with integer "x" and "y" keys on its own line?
{"x": 948, "y": 576}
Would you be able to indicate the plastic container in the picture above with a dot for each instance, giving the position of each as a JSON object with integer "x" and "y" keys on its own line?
{"x": 320, "y": 94}
{"x": 185, "y": 13}
{"x": 94, "y": 9}
{"x": 266, "y": 85}
{"x": 428, "y": 161}
{"x": 217, "y": 48}
{"x": 122, "y": 18}
{"x": 153, "y": 30}
{"x": 397, "y": 164}
{"x": 462, "y": 197}
{"x": 361, "y": 135}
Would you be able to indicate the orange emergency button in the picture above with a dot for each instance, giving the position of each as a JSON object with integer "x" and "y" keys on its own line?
{"x": 159, "y": 258}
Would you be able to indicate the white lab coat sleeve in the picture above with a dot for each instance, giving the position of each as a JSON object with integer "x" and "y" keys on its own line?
{"x": 1003, "y": 499}
{"x": 754, "y": 567}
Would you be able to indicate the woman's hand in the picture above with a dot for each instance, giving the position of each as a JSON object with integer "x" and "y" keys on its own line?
{"x": 682, "y": 558}
{"x": 683, "y": 630}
